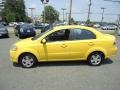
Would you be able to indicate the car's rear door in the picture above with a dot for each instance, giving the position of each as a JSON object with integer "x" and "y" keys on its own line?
{"x": 80, "y": 42}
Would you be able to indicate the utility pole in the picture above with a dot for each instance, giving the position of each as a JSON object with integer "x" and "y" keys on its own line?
{"x": 89, "y": 11}
{"x": 63, "y": 13}
{"x": 44, "y": 2}
{"x": 118, "y": 25}
{"x": 66, "y": 16}
{"x": 70, "y": 10}
{"x": 44, "y": 20}
{"x": 32, "y": 9}
{"x": 103, "y": 10}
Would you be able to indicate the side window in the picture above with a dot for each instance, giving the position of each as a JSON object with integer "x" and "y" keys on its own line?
{"x": 79, "y": 34}
{"x": 60, "y": 35}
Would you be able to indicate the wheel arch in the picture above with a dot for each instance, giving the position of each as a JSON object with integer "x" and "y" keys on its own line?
{"x": 97, "y": 52}
{"x": 94, "y": 50}
{"x": 27, "y": 53}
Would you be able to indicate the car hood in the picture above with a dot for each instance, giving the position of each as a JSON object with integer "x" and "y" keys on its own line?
{"x": 24, "y": 43}
{"x": 2, "y": 29}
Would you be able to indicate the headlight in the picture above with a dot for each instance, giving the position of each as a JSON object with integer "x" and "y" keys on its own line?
{"x": 21, "y": 30}
{"x": 13, "y": 48}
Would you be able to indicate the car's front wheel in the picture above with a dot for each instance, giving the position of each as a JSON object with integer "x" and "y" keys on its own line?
{"x": 95, "y": 59}
{"x": 27, "y": 60}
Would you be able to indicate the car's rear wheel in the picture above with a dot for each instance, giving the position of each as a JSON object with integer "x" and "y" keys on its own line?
{"x": 95, "y": 59}
{"x": 27, "y": 60}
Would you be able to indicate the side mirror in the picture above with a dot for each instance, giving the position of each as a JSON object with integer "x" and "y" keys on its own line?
{"x": 43, "y": 41}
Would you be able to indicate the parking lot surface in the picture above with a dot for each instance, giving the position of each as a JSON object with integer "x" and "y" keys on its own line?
{"x": 58, "y": 75}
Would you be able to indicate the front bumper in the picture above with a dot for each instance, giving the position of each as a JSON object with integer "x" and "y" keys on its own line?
{"x": 27, "y": 34}
{"x": 13, "y": 56}
{"x": 3, "y": 34}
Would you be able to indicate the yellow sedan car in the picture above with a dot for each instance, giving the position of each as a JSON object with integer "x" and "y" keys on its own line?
{"x": 64, "y": 43}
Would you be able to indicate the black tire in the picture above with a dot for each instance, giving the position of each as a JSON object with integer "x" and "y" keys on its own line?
{"x": 7, "y": 36}
{"x": 16, "y": 34}
{"x": 95, "y": 59}
{"x": 27, "y": 60}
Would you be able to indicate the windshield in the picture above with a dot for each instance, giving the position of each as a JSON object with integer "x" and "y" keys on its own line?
{"x": 26, "y": 26}
{"x": 36, "y": 37}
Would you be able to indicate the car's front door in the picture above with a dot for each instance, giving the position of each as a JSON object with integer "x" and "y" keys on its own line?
{"x": 57, "y": 46}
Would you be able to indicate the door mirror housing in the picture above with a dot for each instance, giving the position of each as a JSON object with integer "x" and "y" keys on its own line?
{"x": 43, "y": 41}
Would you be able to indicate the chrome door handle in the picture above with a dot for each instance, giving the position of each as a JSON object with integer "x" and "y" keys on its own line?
{"x": 91, "y": 44}
{"x": 63, "y": 46}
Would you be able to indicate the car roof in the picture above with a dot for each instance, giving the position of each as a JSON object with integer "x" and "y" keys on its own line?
{"x": 77, "y": 26}
{"x": 73, "y": 26}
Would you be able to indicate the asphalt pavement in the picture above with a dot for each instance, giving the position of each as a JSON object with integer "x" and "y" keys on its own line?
{"x": 58, "y": 75}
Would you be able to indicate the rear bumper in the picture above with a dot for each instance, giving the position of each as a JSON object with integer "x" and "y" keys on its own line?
{"x": 27, "y": 34}
{"x": 112, "y": 52}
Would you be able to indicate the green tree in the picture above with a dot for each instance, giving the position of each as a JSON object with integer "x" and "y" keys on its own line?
{"x": 72, "y": 21}
{"x": 51, "y": 15}
{"x": 14, "y": 10}
{"x": 88, "y": 21}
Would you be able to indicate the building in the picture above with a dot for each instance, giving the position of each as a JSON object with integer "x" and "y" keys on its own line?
{"x": 2, "y": 2}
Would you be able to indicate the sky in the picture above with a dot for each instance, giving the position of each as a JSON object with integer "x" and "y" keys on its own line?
{"x": 79, "y": 9}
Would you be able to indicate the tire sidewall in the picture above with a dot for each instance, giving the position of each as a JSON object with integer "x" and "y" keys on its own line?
{"x": 32, "y": 56}
{"x": 89, "y": 59}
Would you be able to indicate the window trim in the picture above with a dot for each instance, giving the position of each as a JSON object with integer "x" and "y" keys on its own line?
{"x": 86, "y": 30}
{"x": 69, "y": 34}
{"x": 56, "y": 41}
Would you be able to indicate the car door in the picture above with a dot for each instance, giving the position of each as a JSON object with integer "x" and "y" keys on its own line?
{"x": 57, "y": 46}
{"x": 80, "y": 42}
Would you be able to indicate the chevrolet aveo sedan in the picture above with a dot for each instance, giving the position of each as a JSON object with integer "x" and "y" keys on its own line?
{"x": 64, "y": 43}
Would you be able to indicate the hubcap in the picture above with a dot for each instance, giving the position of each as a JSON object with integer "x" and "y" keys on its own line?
{"x": 27, "y": 61}
{"x": 95, "y": 59}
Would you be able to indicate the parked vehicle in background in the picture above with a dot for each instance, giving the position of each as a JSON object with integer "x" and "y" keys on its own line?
{"x": 21, "y": 23}
{"x": 45, "y": 24}
{"x": 96, "y": 26}
{"x": 109, "y": 27}
{"x": 112, "y": 27}
{"x": 82, "y": 24}
{"x": 3, "y": 31}
{"x": 64, "y": 43}
{"x": 104, "y": 27}
{"x": 38, "y": 26}
{"x": 3, "y": 23}
{"x": 12, "y": 24}
{"x": 52, "y": 25}
{"x": 46, "y": 28}
{"x": 24, "y": 30}
{"x": 90, "y": 25}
